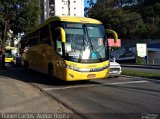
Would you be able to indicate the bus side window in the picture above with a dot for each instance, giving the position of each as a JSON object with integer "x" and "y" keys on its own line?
{"x": 59, "y": 47}
{"x": 58, "y": 44}
{"x": 45, "y": 36}
{"x": 31, "y": 40}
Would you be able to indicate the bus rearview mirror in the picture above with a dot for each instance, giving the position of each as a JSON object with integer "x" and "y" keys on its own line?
{"x": 62, "y": 33}
{"x": 115, "y": 36}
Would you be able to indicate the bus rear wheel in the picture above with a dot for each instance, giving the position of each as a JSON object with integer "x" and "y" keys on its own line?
{"x": 26, "y": 64}
{"x": 51, "y": 73}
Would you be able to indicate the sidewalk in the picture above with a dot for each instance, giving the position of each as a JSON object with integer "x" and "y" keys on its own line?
{"x": 18, "y": 97}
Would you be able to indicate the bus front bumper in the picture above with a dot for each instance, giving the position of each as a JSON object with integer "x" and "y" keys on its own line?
{"x": 72, "y": 75}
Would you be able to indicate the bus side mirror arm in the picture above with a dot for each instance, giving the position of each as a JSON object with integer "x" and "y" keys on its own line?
{"x": 63, "y": 35}
{"x": 115, "y": 36}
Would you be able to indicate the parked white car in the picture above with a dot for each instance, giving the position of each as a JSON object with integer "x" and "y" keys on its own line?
{"x": 115, "y": 68}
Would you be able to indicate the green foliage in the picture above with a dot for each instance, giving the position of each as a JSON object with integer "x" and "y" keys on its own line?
{"x": 86, "y": 9}
{"x": 27, "y": 16}
{"x": 127, "y": 24}
{"x": 149, "y": 10}
{"x": 95, "y": 11}
{"x": 1, "y": 15}
{"x": 90, "y": 2}
{"x": 130, "y": 21}
{"x": 140, "y": 60}
{"x": 144, "y": 74}
{"x": 18, "y": 15}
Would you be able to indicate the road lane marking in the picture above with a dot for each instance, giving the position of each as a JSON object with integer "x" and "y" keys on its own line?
{"x": 92, "y": 85}
{"x": 136, "y": 77}
{"x": 69, "y": 87}
{"x": 128, "y": 82}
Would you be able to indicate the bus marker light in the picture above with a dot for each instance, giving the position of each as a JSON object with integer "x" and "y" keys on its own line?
{"x": 71, "y": 75}
{"x": 91, "y": 75}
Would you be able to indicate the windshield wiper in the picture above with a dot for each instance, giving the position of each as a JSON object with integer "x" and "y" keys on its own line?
{"x": 85, "y": 39}
{"x": 82, "y": 47}
{"x": 97, "y": 52}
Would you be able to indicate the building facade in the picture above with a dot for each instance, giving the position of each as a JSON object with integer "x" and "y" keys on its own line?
{"x": 61, "y": 8}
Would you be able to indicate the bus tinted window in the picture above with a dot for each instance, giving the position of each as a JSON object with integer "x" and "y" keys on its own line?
{"x": 44, "y": 35}
{"x": 70, "y": 25}
{"x": 94, "y": 31}
{"x": 33, "y": 41}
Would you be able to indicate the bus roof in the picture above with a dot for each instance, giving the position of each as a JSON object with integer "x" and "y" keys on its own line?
{"x": 73, "y": 19}
{"x": 66, "y": 19}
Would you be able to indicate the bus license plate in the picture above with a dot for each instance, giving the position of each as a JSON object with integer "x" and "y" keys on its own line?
{"x": 91, "y": 75}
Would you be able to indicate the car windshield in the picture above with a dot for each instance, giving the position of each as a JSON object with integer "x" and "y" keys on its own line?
{"x": 8, "y": 55}
{"x": 85, "y": 42}
{"x": 111, "y": 60}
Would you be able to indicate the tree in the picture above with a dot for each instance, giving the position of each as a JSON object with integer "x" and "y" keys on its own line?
{"x": 18, "y": 16}
{"x": 96, "y": 10}
{"x": 126, "y": 23}
{"x": 101, "y": 5}
{"x": 86, "y": 9}
{"x": 91, "y": 3}
{"x": 149, "y": 10}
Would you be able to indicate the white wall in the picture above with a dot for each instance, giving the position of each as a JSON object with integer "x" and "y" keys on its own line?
{"x": 69, "y": 8}
{"x": 77, "y": 8}
{"x": 61, "y": 7}
{"x": 46, "y": 9}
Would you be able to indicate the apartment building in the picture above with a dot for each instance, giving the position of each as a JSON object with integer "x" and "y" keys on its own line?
{"x": 61, "y": 8}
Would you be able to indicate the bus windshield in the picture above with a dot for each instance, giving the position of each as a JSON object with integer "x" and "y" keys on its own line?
{"x": 85, "y": 42}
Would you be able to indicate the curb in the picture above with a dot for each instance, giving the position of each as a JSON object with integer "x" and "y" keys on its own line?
{"x": 141, "y": 66}
{"x": 136, "y": 77}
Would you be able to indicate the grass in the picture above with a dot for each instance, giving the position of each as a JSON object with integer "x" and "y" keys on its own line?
{"x": 144, "y": 74}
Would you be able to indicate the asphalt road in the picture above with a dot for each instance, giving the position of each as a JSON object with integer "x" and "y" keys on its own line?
{"x": 113, "y": 98}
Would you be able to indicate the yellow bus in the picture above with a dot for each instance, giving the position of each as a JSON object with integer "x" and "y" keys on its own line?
{"x": 68, "y": 48}
{"x": 10, "y": 54}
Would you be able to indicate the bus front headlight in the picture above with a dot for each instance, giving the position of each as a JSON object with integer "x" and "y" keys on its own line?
{"x": 71, "y": 67}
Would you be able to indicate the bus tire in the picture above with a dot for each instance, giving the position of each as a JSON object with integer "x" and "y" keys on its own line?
{"x": 51, "y": 73}
{"x": 26, "y": 64}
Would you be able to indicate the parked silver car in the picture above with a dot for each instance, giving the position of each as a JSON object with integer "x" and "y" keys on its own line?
{"x": 115, "y": 68}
